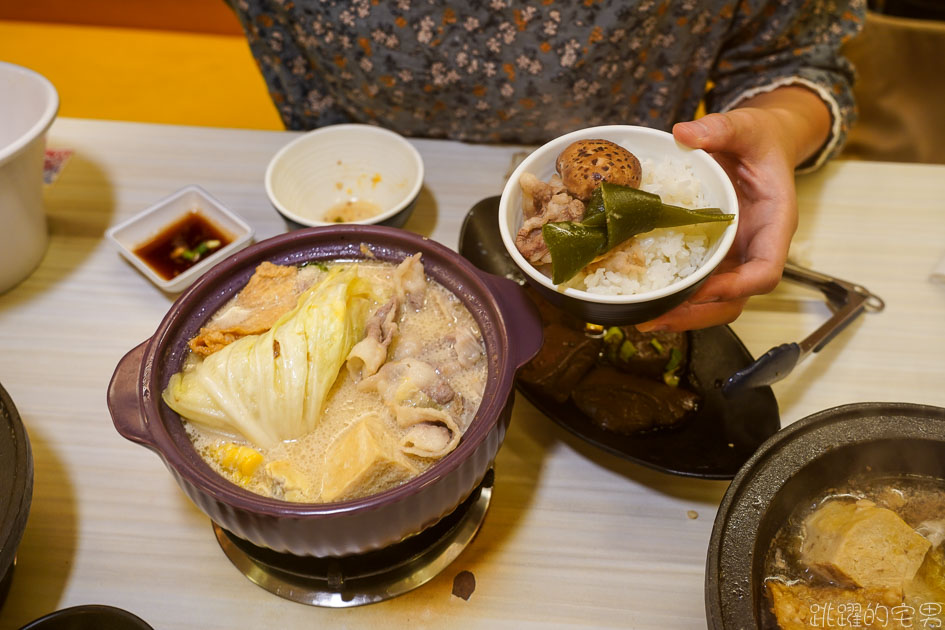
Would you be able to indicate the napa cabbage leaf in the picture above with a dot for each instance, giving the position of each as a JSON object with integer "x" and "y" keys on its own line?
{"x": 271, "y": 387}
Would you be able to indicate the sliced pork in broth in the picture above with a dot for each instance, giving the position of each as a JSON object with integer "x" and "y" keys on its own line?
{"x": 363, "y": 376}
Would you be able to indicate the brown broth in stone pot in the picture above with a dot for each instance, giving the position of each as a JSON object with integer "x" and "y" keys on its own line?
{"x": 866, "y": 555}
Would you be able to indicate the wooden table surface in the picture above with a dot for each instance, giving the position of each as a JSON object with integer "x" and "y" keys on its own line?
{"x": 573, "y": 538}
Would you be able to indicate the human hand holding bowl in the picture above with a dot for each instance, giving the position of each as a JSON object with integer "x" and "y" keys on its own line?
{"x": 620, "y": 266}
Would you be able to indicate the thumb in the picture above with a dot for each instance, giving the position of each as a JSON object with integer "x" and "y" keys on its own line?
{"x": 713, "y": 133}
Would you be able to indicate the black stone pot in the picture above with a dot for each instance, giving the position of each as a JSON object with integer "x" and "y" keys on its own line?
{"x": 16, "y": 487}
{"x": 794, "y": 466}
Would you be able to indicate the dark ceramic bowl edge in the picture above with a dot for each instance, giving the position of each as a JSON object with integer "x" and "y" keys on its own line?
{"x": 608, "y": 314}
{"x": 13, "y": 520}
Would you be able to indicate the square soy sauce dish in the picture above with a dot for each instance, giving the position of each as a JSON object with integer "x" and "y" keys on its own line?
{"x": 180, "y": 237}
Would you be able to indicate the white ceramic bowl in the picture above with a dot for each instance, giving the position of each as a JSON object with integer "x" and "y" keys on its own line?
{"x": 28, "y": 106}
{"x": 325, "y": 168}
{"x": 130, "y": 234}
{"x": 644, "y": 143}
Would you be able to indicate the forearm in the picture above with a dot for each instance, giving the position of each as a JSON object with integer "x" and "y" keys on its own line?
{"x": 803, "y": 117}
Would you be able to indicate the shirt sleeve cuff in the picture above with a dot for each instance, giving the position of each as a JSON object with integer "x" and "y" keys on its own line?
{"x": 816, "y": 161}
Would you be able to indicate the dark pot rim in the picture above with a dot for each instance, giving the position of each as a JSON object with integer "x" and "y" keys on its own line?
{"x": 16, "y": 481}
{"x": 200, "y": 300}
{"x": 729, "y": 589}
{"x": 88, "y": 616}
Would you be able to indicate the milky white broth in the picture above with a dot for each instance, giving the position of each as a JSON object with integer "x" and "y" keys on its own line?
{"x": 426, "y": 334}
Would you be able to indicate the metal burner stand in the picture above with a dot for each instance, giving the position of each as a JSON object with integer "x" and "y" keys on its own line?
{"x": 366, "y": 578}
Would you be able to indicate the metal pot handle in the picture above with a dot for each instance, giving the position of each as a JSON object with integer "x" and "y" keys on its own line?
{"x": 846, "y": 299}
{"x": 124, "y": 398}
{"x": 521, "y": 318}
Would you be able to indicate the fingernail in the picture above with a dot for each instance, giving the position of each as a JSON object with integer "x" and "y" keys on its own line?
{"x": 648, "y": 327}
{"x": 700, "y": 128}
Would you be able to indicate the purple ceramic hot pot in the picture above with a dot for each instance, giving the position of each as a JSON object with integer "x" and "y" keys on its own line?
{"x": 511, "y": 332}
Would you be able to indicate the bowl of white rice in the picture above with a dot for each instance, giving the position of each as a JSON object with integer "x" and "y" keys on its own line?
{"x": 652, "y": 272}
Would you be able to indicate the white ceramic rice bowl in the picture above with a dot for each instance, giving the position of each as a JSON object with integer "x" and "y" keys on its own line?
{"x": 646, "y": 144}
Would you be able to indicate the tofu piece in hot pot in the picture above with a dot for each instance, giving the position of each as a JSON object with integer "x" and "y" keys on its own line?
{"x": 361, "y": 458}
{"x": 860, "y": 544}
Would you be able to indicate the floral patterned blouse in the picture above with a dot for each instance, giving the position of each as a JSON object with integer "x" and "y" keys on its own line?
{"x": 525, "y": 72}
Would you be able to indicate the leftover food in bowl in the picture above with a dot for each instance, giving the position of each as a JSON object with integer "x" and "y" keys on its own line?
{"x": 351, "y": 173}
